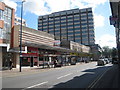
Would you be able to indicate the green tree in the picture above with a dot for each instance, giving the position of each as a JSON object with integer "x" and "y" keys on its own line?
{"x": 114, "y": 52}
{"x": 107, "y": 52}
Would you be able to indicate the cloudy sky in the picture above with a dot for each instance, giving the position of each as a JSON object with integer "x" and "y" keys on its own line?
{"x": 104, "y": 32}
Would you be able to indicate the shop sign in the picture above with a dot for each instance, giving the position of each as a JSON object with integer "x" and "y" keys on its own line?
{"x": 30, "y": 54}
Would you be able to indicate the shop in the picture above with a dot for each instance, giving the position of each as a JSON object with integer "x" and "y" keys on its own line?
{"x": 31, "y": 57}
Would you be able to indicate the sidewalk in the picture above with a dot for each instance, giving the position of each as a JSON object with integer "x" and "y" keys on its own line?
{"x": 24, "y": 71}
{"x": 110, "y": 79}
{"x": 29, "y": 70}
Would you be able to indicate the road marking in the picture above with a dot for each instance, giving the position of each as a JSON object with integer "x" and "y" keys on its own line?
{"x": 37, "y": 85}
{"x": 64, "y": 75}
{"x": 97, "y": 79}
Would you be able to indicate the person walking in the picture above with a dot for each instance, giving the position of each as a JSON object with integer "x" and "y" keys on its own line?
{"x": 10, "y": 64}
{"x": 55, "y": 63}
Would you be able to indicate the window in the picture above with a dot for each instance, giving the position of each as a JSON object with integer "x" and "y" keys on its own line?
{"x": 77, "y": 40}
{"x": 91, "y": 31}
{"x": 77, "y": 32}
{"x": 77, "y": 25}
{"x": 1, "y": 15}
{"x": 1, "y": 34}
{"x": 70, "y": 29}
{"x": 84, "y": 36}
{"x": 70, "y": 33}
{"x": 89, "y": 9}
{"x": 84, "y": 39}
{"x": 83, "y": 10}
{"x": 91, "y": 27}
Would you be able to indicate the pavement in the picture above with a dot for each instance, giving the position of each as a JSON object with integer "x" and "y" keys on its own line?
{"x": 28, "y": 70}
{"x": 109, "y": 79}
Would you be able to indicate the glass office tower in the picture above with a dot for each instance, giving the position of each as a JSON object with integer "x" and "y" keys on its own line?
{"x": 75, "y": 25}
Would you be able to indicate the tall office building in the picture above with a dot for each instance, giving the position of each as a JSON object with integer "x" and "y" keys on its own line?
{"x": 76, "y": 25}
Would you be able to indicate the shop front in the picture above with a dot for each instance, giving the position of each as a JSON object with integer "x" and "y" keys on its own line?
{"x": 31, "y": 57}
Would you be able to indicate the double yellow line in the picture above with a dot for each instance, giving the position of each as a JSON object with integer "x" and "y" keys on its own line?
{"x": 96, "y": 80}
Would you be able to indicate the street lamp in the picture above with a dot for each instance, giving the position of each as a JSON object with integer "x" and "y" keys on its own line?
{"x": 21, "y": 34}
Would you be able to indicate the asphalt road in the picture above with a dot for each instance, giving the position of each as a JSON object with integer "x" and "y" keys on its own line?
{"x": 76, "y": 76}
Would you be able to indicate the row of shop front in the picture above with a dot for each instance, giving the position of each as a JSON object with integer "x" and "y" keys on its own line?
{"x": 38, "y": 49}
{"x": 42, "y": 57}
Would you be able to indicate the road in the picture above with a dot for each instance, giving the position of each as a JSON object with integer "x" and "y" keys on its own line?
{"x": 76, "y": 76}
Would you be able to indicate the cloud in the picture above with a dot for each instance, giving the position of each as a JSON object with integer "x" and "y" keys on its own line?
{"x": 10, "y": 3}
{"x": 107, "y": 40}
{"x": 99, "y": 20}
{"x": 87, "y": 3}
{"x": 37, "y": 7}
{"x": 42, "y": 7}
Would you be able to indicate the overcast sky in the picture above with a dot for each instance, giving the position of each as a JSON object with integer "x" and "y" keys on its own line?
{"x": 104, "y": 32}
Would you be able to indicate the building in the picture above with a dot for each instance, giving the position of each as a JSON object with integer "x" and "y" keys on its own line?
{"x": 96, "y": 50}
{"x": 6, "y": 23}
{"x": 35, "y": 44}
{"x": 75, "y": 46}
{"x": 75, "y": 25}
{"x": 37, "y": 47}
{"x": 115, "y": 20}
{"x": 18, "y": 21}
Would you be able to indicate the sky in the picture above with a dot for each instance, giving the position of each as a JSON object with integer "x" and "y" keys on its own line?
{"x": 104, "y": 32}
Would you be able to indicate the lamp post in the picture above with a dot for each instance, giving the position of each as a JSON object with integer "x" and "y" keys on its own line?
{"x": 21, "y": 34}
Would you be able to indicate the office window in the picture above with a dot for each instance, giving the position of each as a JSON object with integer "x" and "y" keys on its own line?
{"x": 1, "y": 15}
{"x": 89, "y": 9}
{"x": 83, "y": 14}
{"x": 63, "y": 17}
{"x": 1, "y": 34}
{"x": 91, "y": 27}
{"x": 70, "y": 33}
{"x": 77, "y": 32}
{"x": 70, "y": 16}
{"x": 90, "y": 19}
{"x": 91, "y": 31}
{"x": 83, "y": 10}
{"x": 77, "y": 40}
{"x": 70, "y": 29}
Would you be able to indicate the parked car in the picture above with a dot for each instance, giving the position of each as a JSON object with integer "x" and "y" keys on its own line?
{"x": 110, "y": 59}
{"x": 73, "y": 63}
{"x": 114, "y": 60}
{"x": 106, "y": 60}
{"x": 101, "y": 62}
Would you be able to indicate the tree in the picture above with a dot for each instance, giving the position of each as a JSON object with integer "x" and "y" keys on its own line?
{"x": 107, "y": 52}
{"x": 114, "y": 52}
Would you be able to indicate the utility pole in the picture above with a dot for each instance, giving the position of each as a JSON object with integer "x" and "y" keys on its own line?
{"x": 21, "y": 34}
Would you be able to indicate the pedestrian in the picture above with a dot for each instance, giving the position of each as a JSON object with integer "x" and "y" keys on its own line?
{"x": 48, "y": 64}
{"x": 10, "y": 64}
{"x": 55, "y": 63}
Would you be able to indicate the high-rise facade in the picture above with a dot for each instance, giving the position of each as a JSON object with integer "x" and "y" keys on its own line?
{"x": 76, "y": 25}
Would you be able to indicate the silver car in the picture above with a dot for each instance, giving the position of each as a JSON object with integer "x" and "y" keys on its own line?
{"x": 101, "y": 62}
{"x": 106, "y": 60}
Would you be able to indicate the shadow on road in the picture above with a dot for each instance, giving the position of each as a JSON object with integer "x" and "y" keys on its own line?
{"x": 82, "y": 81}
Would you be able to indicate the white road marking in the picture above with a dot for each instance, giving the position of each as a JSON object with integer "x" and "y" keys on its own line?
{"x": 64, "y": 75}
{"x": 38, "y": 84}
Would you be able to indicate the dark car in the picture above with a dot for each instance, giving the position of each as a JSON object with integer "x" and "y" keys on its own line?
{"x": 114, "y": 60}
{"x": 73, "y": 63}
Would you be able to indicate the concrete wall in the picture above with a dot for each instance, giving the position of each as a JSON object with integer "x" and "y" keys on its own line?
{"x": 31, "y": 36}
